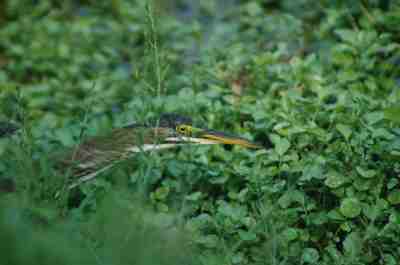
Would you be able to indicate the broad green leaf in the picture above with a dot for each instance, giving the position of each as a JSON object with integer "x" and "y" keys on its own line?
{"x": 162, "y": 207}
{"x": 254, "y": 8}
{"x": 353, "y": 244}
{"x": 161, "y": 193}
{"x": 209, "y": 241}
{"x": 347, "y": 35}
{"x": 345, "y": 130}
{"x": 374, "y": 117}
{"x": 281, "y": 145}
{"x": 335, "y": 180}
{"x": 238, "y": 258}
{"x": 236, "y": 212}
{"x": 312, "y": 171}
{"x": 281, "y": 125}
{"x": 393, "y": 182}
{"x": 394, "y": 196}
{"x": 290, "y": 197}
{"x": 345, "y": 226}
{"x": 392, "y": 114}
{"x": 310, "y": 256}
{"x": 366, "y": 173}
{"x": 334, "y": 253}
{"x": 382, "y": 133}
{"x": 362, "y": 184}
{"x": 219, "y": 180}
{"x": 290, "y": 234}
{"x": 375, "y": 210}
{"x": 194, "y": 196}
{"x": 247, "y": 236}
{"x": 318, "y": 218}
{"x": 350, "y": 76}
{"x": 389, "y": 259}
{"x": 350, "y": 207}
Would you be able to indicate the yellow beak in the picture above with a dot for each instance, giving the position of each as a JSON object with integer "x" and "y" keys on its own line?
{"x": 207, "y": 137}
{"x": 222, "y": 138}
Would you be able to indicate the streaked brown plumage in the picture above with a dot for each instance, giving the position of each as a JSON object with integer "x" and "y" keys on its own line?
{"x": 97, "y": 154}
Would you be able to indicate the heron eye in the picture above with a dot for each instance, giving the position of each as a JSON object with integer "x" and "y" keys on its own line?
{"x": 185, "y": 130}
{"x": 180, "y": 129}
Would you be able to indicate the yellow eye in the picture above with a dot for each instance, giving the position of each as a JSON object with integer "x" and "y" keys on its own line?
{"x": 184, "y": 129}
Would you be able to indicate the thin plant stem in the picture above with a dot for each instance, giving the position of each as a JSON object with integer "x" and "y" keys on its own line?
{"x": 154, "y": 47}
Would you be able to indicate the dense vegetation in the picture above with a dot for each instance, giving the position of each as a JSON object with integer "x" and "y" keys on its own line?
{"x": 316, "y": 81}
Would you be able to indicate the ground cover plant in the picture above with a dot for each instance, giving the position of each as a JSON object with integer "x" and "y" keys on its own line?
{"x": 317, "y": 83}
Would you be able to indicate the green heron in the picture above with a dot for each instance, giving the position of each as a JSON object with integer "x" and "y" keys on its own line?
{"x": 97, "y": 154}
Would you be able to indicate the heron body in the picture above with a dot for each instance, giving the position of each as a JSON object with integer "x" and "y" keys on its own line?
{"x": 97, "y": 154}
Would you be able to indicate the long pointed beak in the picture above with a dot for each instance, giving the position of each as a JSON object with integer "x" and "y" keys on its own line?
{"x": 223, "y": 138}
{"x": 207, "y": 137}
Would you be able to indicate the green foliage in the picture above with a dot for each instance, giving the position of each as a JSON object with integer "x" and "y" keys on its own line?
{"x": 120, "y": 232}
{"x": 317, "y": 83}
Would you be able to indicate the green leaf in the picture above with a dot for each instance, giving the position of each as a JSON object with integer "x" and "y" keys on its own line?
{"x": 281, "y": 144}
{"x": 362, "y": 184}
{"x": 290, "y": 234}
{"x": 194, "y": 196}
{"x": 350, "y": 207}
{"x": 375, "y": 210}
{"x": 394, "y": 196}
{"x": 335, "y": 215}
{"x": 161, "y": 193}
{"x": 335, "y": 181}
{"x": 393, "y": 182}
{"x": 374, "y": 117}
{"x": 219, "y": 180}
{"x": 345, "y": 226}
{"x": 311, "y": 171}
{"x": 162, "y": 207}
{"x": 392, "y": 114}
{"x": 389, "y": 259}
{"x": 247, "y": 236}
{"x": 290, "y": 197}
{"x": 154, "y": 175}
{"x": 238, "y": 258}
{"x": 236, "y": 212}
{"x": 209, "y": 241}
{"x": 382, "y": 133}
{"x": 346, "y": 35}
{"x": 319, "y": 218}
{"x": 353, "y": 245}
{"x": 310, "y": 256}
{"x": 366, "y": 173}
{"x": 254, "y": 9}
{"x": 344, "y": 130}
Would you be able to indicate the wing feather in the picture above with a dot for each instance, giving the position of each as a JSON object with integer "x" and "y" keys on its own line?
{"x": 98, "y": 152}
